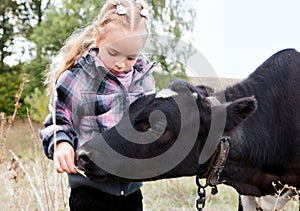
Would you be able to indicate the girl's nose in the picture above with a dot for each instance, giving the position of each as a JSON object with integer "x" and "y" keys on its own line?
{"x": 120, "y": 64}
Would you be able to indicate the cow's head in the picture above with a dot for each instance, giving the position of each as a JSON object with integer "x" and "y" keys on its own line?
{"x": 162, "y": 135}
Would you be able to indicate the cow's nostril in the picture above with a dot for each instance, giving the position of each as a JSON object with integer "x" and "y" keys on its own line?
{"x": 84, "y": 159}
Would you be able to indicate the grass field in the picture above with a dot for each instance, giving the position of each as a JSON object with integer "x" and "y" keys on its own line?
{"x": 29, "y": 182}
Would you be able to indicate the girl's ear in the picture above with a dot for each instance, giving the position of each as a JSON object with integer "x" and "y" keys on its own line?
{"x": 96, "y": 36}
{"x": 95, "y": 33}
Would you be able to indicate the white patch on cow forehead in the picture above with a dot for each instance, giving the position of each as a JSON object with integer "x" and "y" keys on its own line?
{"x": 165, "y": 93}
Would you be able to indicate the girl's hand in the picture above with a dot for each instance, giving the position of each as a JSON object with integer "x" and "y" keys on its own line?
{"x": 63, "y": 158}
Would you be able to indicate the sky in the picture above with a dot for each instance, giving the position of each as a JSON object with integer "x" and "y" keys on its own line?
{"x": 237, "y": 36}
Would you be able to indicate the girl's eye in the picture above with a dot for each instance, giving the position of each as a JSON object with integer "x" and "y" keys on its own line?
{"x": 112, "y": 53}
{"x": 131, "y": 58}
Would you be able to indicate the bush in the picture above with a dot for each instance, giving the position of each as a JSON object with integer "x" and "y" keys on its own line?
{"x": 38, "y": 105}
{"x": 162, "y": 80}
{"x": 10, "y": 82}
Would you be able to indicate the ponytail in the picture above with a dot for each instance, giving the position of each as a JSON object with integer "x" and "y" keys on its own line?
{"x": 75, "y": 46}
{"x": 82, "y": 40}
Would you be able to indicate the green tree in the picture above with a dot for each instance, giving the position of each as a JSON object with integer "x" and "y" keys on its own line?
{"x": 18, "y": 18}
{"x": 31, "y": 14}
{"x": 172, "y": 20}
{"x": 10, "y": 82}
{"x": 7, "y": 11}
{"x": 58, "y": 23}
{"x": 46, "y": 26}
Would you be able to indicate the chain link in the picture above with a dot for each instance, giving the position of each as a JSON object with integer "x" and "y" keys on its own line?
{"x": 216, "y": 165}
{"x": 200, "y": 202}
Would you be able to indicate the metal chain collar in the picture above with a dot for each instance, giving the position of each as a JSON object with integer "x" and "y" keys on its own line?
{"x": 200, "y": 202}
{"x": 212, "y": 180}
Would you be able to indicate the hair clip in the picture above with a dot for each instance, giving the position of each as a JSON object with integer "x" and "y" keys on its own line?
{"x": 121, "y": 10}
{"x": 144, "y": 13}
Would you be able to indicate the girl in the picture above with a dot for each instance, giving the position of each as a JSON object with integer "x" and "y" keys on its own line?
{"x": 101, "y": 72}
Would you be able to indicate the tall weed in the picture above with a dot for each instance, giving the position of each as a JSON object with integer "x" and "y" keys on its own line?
{"x": 28, "y": 180}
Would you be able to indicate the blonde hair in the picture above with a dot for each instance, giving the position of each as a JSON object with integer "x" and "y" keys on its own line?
{"x": 82, "y": 40}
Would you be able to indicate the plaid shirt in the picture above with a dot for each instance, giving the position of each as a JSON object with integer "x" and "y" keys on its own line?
{"x": 90, "y": 98}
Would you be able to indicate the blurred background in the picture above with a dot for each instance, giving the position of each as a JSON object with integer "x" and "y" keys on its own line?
{"x": 212, "y": 42}
{"x": 233, "y": 37}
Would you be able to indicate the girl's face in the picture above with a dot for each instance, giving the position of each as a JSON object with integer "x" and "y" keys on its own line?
{"x": 119, "y": 50}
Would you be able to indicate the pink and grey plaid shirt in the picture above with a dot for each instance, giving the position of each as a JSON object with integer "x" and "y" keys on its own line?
{"x": 90, "y": 98}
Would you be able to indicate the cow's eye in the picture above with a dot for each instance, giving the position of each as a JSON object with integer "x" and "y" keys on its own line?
{"x": 158, "y": 127}
{"x": 147, "y": 127}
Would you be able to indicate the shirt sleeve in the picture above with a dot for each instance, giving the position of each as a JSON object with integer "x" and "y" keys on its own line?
{"x": 68, "y": 98}
{"x": 151, "y": 84}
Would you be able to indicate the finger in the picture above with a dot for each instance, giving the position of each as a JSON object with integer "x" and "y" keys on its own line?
{"x": 64, "y": 154}
{"x": 66, "y": 161}
{"x": 57, "y": 166}
{"x": 70, "y": 163}
{"x": 63, "y": 164}
{"x": 59, "y": 162}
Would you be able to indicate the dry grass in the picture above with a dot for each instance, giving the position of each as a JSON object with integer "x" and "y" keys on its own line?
{"x": 17, "y": 192}
{"x": 28, "y": 180}
{"x": 51, "y": 188}
{"x": 181, "y": 193}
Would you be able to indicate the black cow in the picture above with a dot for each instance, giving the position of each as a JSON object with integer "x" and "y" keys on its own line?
{"x": 264, "y": 149}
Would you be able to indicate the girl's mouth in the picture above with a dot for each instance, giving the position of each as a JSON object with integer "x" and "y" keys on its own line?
{"x": 117, "y": 72}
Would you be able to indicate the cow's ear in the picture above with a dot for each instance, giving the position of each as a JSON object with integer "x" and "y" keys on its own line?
{"x": 204, "y": 90}
{"x": 238, "y": 111}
